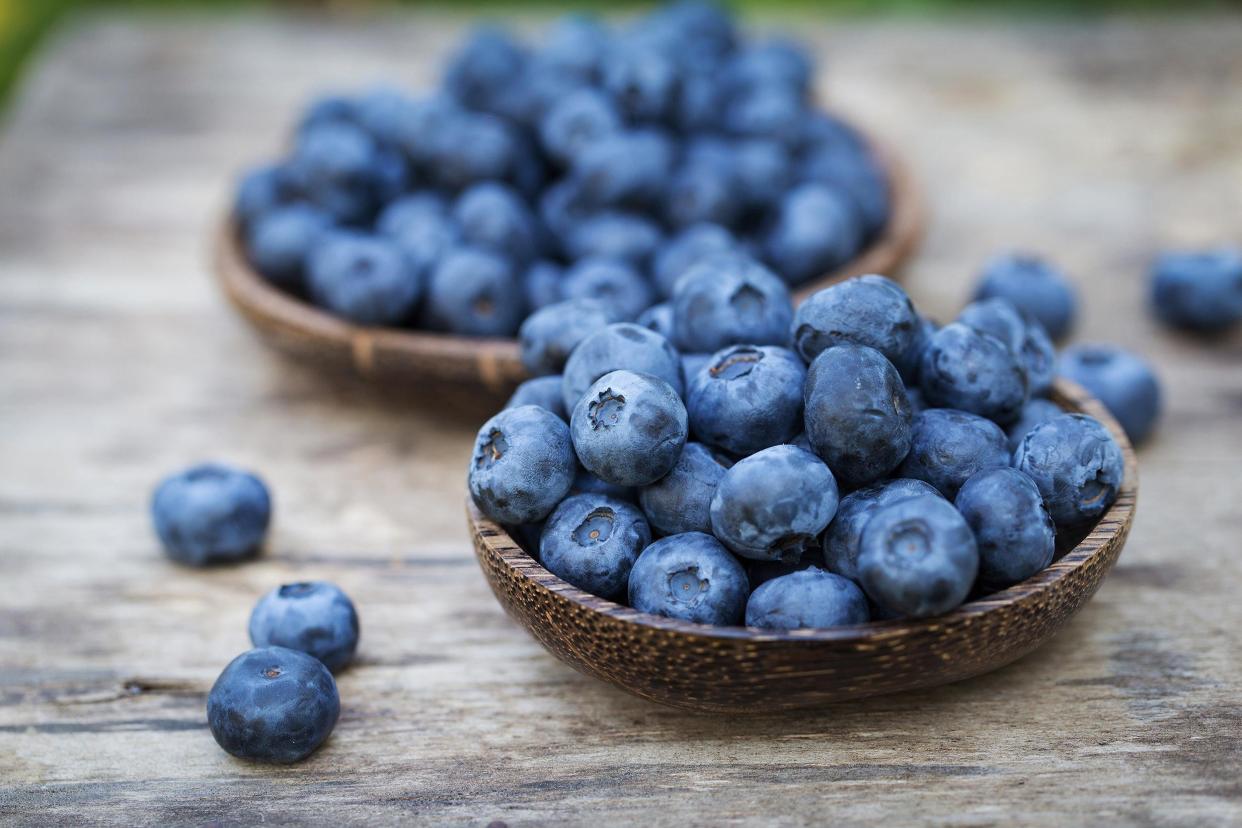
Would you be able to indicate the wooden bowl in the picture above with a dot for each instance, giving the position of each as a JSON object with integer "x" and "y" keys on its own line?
{"x": 743, "y": 669}
{"x": 392, "y": 355}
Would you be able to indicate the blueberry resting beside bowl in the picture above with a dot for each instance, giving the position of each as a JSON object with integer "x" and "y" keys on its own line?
{"x": 1035, "y": 287}
{"x": 273, "y": 704}
{"x": 314, "y": 617}
{"x": 1123, "y": 381}
{"x": 1198, "y": 291}
{"x": 210, "y": 514}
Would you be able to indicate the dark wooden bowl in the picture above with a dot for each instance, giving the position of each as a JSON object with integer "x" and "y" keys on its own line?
{"x": 742, "y": 669}
{"x": 392, "y": 355}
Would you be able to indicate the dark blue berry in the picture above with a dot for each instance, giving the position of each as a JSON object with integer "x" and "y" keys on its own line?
{"x": 747, "y": 398}
{"x": 811, "y": 598}
{"x": 364, "y": 279}
{"x": 541, "y": 391}
{"x": 211, "y": 513}
{"x": 629, "y": 428}
{"x": 1036, "y": 288}
{"x": 314, "y": 617}
{"x": 279, "y": 242}
{"x": 592, "y": 541}
{"x": 975, "y": 372}
{"x": 622, "y": 345}
{"x": 843, "y": 539}
{"x": 615, "y": 284}
{"x": 1014, "y": 533}
{"x": 948, "y": 446}
{"x": 549, "y": 335}
{"x": 1123, "y": 381}
{"x": 868, "y": 310}
{"x": 692, "y": 577}
{"x": 1198, "y": 291}
{"x": 685, "y": 249}
{"x": 523, "y": 465}
{"x": 1076, "y": 464}
{"x": 729, "y": 298}
{"x": 681, "y": 500}
{"x": 473, "y": 292}
{"x": 816, "y": 229}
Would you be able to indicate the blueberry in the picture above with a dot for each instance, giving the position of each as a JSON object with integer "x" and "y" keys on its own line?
{"x": 314, "y": 617}
{"x": 1198, "y": 291}
{"x": 549, "y": 335}
{"x": 948, "y": 446}
{"x": 576, "y": 45}
{"x": 623, "y": 237}
{"x": 421, "y": 227}
{"x": 748, "y": 398}
{"x": 685, "y": 249}
{"x": 974, "y": 372}
{"x": 910, "y": 363}
{"x": 544, "y": 392}
{"x": 1076, "y": 464}
{"x": 622, "y": 345}
{"x": 335, "y": 165}
{"x": 858, "y": 175}
{"x": 328, "y": 109}
{"x": 774, "y": 503}
{"x": 492, "y": 216}
{"x": 279, "y": 242}
{"x": 642, "y": 81}
{"x": 541, "y": 284}
{"x": 776, "y": 63}
{"x": 473, "y": 292}
{"x": 762, "y": 172}
{"x": 843, "y": 539}
{"x": 760, "y": 572}
{"x": 211, "y": 513}
{"x": 692, "y": 577}
{"x": 918, "y": 557}
{"x": 1035, "y": 288}
{"x": 811, "y": 598}
{"x": 1014, "y": 533}
{"x": 702, "y": 193}
{"x": 381, "y": 111}
{"x": 729, "y": 298}
{"x": 623, "y": 168}
{"x": 658, "y": 318}
{"x": 867, "y": 310}
{"x": 1122, "y": 380}
{"x": 615, "y": 284}
{"x": 575, "y": 122}
{"x": 771, "y": 112}
{"x": 484, "y": 68}
{"x": 700, "y": 97}
{"x": 629, "y": 428}
{"x": 523, "y": 465}
{"x": 273, "y": 704}
{"x": 587, "y": 483}
{"x": 364, "y": 279}
{"x": 592, "y": 541}
{"x": 1027, "y": 339}
{"x": 471, "y": 146}
{"x": 262, "y": 190}
{"x": 857, "y": 413}
{"x": 1037, "y": 411}
{"x": 816, "y": 230}
{"x": 681, "y": 500}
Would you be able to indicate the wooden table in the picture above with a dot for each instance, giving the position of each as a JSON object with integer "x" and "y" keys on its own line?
{"x": 1095, "y": 142}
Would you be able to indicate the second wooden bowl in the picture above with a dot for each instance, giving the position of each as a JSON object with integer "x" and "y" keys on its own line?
{"x": 392, "y": 355}
{"x": 741, "y": 669}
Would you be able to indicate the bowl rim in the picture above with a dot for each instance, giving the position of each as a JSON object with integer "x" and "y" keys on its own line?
{"x": 497, "y": 358}
{"x": 1115, "y": 522}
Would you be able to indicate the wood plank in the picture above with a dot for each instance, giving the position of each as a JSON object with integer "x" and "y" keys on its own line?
{"x": 1095, "y": 142}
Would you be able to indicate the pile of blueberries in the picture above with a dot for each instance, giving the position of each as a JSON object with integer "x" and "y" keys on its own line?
{"x": 593, "y": 167}
{"x": 845, "y": 461}
{"x": 277, "y": 702}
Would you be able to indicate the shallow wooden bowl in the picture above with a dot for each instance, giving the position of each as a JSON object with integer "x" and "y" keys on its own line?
{"x": 392, "y": 355}
{"x": 742, "y": 669}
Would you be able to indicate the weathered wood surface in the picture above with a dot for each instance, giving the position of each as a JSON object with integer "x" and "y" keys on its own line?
{"x": 118, "y": 362}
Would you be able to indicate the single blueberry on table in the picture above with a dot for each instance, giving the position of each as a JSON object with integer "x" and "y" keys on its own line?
{"x": 622, "y": 345}
{"x": 629, "y": 428}
{"x": 774, "y": 503}
{"x": 1122, "y": 380}
{"x": 575, "y": 122}
{"x": 692, "y": 577}
{"x": 1076, "y": 464}
{"x": 857, "y": 413}
{"x": 1198, "y": 291}
{"x": 1037, "y": 411}
{"x": 492, "y": 216}
{"x": 364, "y": 279}
{"x": 211, "y": 513}
{"x": 843, "y": 539}
{"x": 918, "y": 557}
{"x": 1013, "y": 531}
{"x": 729, "y": 298}
{"x": 685, "y": 249}
{"x": 809, "y": 599}
{"x": 948, "y": 446}
{"x": 278, "y": 242}
{"x": 747, "y": 398}
{"x": 273, "y": 704}
{"x": 549, "y": 335}
{"x": 975, "y": 372}
{"x": 867, "y": 310}
{"x": 314, "y": 617}
{"x": 592, "y": 541}
{"x": 681, "y": 500}
{"x": 816, "y": 229}
{"x": 1036, "y": 288}
{"x": 544, "y": 392}
{"x": 523, "y": 465}
{"x": 473, "y": 292}
{"x": 618, "y": 286}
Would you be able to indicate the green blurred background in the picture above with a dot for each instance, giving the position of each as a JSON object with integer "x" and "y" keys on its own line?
{"x": 24, "y": 24}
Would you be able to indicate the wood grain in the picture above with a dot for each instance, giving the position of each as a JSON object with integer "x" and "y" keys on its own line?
{"x": 385, "y": 355}
{"x": 743, "y": 670}
{"x": 1096, "y": 142}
